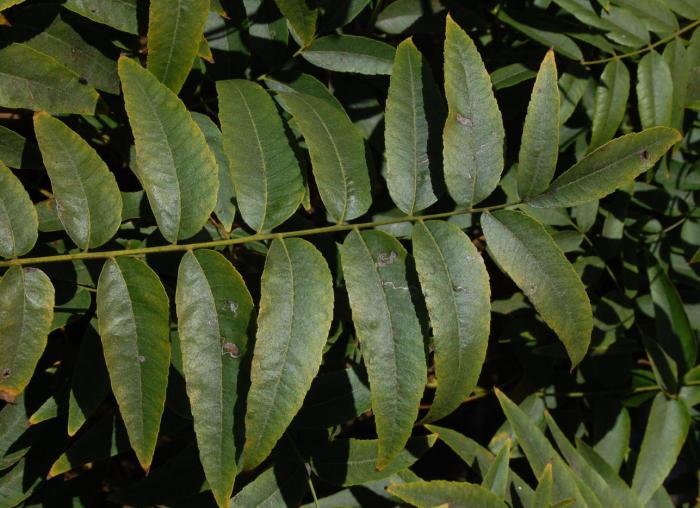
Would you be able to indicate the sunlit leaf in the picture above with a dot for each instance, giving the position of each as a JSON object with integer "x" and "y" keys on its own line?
{"x": 443, "y": 493}
{"x": 26, "y": 312}
{"x": 350, "y": 53}
{"x": 456, "y": 287}
{"x": 175, "y": 165}
{"x": 610, "y": 102}
{"x": 18, "y": 217}
{"x": 87, "y": 197}
{"x": 133, "y": 319}
{"x": 473, "y": 134}
{"x": 654, "y": 91}
{"x": 374, "y": 266}
{"x": 214, "y": 311}
{"x": 522, "y": 247}
{"x": 265, "y": 171}
{"x": 296, "y": 307}
{"x": 174, "y": 35}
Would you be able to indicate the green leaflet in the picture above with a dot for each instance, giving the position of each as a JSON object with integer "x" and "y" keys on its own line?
{"x": 539, "y": 452}
{"x": 266, "y": 174}
{"x": 571, "y": 90}
{"x": 561, "y": 43}
{"x": 18, "y": 217}
{"x": 374, "y": 267}
{"x": 296, "y": 308}
{"x": 282, "y": 485}
{"x": 304, "y": 84}
{"x": 676, "y": 57}
{"x": 510, "y": 75}
{"x": 120, "y": 14}
{"x": 525, "y": 251}
{"x": 334, "y": 398}
{"x": 87, "y": 197}
{"x": 663, "y": 439}
{"x": 175, "y": 165}
{"x": 543, "y": 493}
{"x": 30, "y": 79}
{"x": 496, "y": 477}
{"x": 456, "y": 287}
{"x": 610, "y": 102}
{"x": 674, "y": 332}
{"x": 225, "y": 208}
{"x": 61, "y": 41}
{"x": 348, "y": 462}
{"x": 654, "y": 91}
{"x": 539, "y": 146}
{"x": 15, "y": 150}
{"x": 132, "y": 312}
{"x": 90, "y": 381}
{"x": 350, "y": 53}
{"x": 301, "y": 16}
{"x": 686, "y": 8}
{"x": 337, "y": 155}
{"x": 626, "y": 27}
{"x": 413, "y": 110}
{"x": 473, "y": 134}
{"x": 608, "y": 168}
{"x": 174, "y": 34}
{"x": 599, "y": 485}
{"x": 26, "y": 312}
{"x": 214, "y": 310}
{"x": 443, "y": 493}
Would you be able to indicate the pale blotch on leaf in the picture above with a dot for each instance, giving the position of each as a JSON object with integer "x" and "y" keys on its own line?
{"x": 140, "y": 358}
{"x": 6, "y": 373}
{"x": 233, "y": 307}
{"x": 463, "y": 120}
{"x": 229, "y": 348}
{"x": 384, "y": 259}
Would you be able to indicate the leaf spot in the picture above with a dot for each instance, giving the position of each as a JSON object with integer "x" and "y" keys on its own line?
{"x": 6, "y": 373}
{"x": 644, "y": 155}
{"x": 384, "y": 259}
{"x": 140, "y": 358}
{"x": 229, "y": 348}
{"x": 463, "y": 120}
{"x": 233, "y": 307}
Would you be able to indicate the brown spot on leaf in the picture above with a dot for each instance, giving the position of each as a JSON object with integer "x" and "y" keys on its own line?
{"x": 6, "y": 373}
{"x": 644, "y": 155}
{"x": 229, "y": 348}
{"x": 463, "y": 120}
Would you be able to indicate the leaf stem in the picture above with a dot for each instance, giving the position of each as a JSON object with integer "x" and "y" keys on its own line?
{"x": 646, "y": 48}
{"x": 241, "y": 240}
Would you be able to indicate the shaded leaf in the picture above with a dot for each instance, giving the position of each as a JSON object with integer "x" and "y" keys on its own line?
{"x": 337, "y": 155}
{"x": 374, "y": 267}
{"x": 561, "y": 43}
{"x": 665, "y": 434}
{"x": 174, "y": 35}
{"x": 350, "y": 53}
{"x": 18, "y": 217}
{"x": 214, "y": 309}
{"x": 132, "y": 311}
{"x": 456, "y": 287}
{"x": 543, "y": 493}
{"x": 15, "y": 150}
{"x": 412, "y": 107}
{"x": 608, "y": 168}
{"x": 539, "y": 145}
{"x": 439, "y": 492}
{"x": 86, "y": 194}
{"x": 265, "y": 172}
{"x": 610, "y": 102}
{"x": 654, "y": 91}
{"x": 296, "y": 308}
{"x": 120, "y": 14}
{"x": 175, "y": 165}
{"x": 26, "y": 312}
{"x": 225, "y": 208}
{"x": 301, "y": 16}
{"x": 90, "y": 381}
{"x": 528, "y": 254}
{"x": 282, "y": 485}
{"x": 473, "y": 134}
{"x": 348, "y": 462}
{"x": 511, "y": 75}
{"x": 496, "y": 478}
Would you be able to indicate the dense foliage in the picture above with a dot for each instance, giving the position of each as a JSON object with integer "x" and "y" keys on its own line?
{"x": 349, "y": 253}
